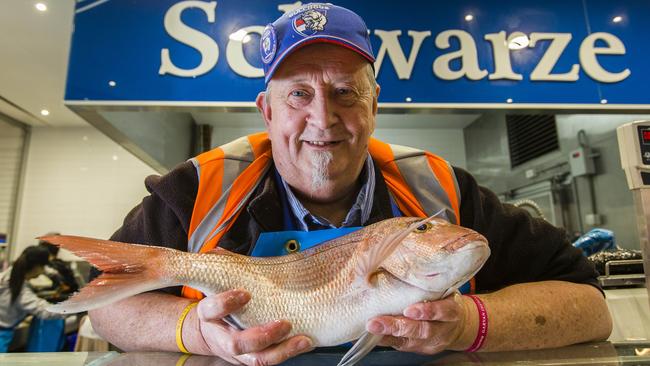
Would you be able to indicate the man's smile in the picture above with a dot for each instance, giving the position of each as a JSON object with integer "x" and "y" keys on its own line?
{"x": 318, "y": 144}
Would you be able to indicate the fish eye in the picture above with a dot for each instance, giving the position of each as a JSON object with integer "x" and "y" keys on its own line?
{"x": 424, "y": 227}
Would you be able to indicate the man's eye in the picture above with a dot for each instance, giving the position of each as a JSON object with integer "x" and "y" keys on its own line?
{"x": 343, "y": 91}
{"x": 298, "y": 93}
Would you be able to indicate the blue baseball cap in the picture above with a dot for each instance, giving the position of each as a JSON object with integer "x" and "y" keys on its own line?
{"x": 313, "y": 23}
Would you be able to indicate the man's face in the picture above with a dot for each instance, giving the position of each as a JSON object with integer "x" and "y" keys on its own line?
{"x": 320, "y": 114}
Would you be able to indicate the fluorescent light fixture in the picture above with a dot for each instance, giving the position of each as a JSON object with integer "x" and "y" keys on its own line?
{"x": 45, "y": 112}
{"x": 469, "y": 17}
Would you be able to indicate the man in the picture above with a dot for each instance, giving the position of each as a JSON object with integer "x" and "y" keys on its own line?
{"x": 321, "y": 169}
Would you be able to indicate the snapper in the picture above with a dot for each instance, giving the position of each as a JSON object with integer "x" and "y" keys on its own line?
{"x": 327, "y": 292}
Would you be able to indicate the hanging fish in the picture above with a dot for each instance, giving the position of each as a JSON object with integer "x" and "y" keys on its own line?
{"x": 327, "y": 292}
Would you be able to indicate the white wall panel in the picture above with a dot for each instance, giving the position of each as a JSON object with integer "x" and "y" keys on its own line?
{"x": 12, "y": 139}
{"x": 77, "y": 181}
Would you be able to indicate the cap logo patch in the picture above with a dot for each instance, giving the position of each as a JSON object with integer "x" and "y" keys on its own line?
{"x": 309, "y": 22}
{"x": 268, "y": 44}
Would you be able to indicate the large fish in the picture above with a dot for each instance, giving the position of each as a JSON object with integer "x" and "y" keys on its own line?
{"x": 327, "y": 292}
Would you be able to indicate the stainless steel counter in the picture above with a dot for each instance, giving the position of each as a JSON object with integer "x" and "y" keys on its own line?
{"x": 604, "y": 353}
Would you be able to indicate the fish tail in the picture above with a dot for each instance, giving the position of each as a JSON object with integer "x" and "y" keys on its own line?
{"x": 128, "y": 269}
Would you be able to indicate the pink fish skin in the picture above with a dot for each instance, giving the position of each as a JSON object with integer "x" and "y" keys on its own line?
{"x": 327, "y": 292}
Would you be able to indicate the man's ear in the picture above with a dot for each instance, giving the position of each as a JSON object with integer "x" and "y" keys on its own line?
{"x": 375, "y": 106}
{"x": 264, "y": 108}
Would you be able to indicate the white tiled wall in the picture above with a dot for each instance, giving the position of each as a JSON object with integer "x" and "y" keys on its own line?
{"x": 77, "y": 182}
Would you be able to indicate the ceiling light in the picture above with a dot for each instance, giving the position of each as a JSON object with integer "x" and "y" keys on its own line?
{"x": 241, "y": 36}
{"x": 509, "y": 100}
{"x": 469, "y": 17}
{"x": 112, "y": 83}
{"x": 41, "y": 7}
{"x": 408, "y": 99}
{"x": 518, "y": 41}
{"x": 603, "y": 101}
{"x": 617, "y": 19}
{"x": 45, "y": 112}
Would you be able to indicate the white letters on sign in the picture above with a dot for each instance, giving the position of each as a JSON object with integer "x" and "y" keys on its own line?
{"x": 467, "y": 55}
{"x": 235, "y": 52}
{"x": 588, "y": 52}
{"x": 390, "y": 45}
{"x": 200, "y": 41}
{"x": 464, "y": 57}
{"x": 559, "y": 41}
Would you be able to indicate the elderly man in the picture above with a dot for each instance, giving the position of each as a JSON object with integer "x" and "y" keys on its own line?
{"x": 318, "y": 168}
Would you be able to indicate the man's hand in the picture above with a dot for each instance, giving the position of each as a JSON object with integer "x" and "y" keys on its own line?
{"x": 426, "y": 327}
{"x": 262, "y": 345}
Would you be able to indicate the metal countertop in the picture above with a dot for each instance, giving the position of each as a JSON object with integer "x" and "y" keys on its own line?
{"x": 602, "y": 353}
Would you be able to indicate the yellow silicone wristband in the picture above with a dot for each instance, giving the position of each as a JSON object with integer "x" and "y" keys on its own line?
{"x": 179, "y": 327}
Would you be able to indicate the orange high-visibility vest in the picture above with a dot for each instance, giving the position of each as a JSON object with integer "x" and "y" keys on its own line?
{"x": 421, "y": 184}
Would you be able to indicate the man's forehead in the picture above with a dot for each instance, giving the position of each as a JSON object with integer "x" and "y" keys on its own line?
{"x": 331, "y": 61}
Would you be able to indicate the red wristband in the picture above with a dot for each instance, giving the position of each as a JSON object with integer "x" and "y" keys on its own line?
{"x": 482, "y": 325}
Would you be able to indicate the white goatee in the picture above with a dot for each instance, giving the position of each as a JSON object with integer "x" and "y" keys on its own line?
{"x": 320, "y": 164}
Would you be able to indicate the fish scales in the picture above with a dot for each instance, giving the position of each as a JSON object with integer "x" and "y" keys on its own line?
{"x": 327, "y": 292}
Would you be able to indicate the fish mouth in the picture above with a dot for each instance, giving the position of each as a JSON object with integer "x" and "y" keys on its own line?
{"x": 467, "y": 242}
{"x": 430, "y": 275}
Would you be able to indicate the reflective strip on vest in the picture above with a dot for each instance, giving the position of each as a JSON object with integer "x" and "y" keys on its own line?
{"x": 417, "y": 191}
{"x": 234, "y": 158}
{"x": 427, "y": 184}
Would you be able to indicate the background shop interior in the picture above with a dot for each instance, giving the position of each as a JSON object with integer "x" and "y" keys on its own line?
{"x": 80, "y": 173}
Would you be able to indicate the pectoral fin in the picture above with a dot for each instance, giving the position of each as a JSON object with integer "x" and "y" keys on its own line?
{"x": 234, "y": 322}
{"x": 375, "y": 251}
{"x": 362, "y": 347}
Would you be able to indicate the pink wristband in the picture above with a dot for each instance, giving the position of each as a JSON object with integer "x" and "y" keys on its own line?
{"x": 482, "y": 325}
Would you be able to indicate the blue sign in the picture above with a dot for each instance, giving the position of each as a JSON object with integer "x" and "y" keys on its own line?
{"x": 567, "y": 53}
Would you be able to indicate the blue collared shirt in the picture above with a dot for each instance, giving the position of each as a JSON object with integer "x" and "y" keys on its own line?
{"x": 358, "y": 214}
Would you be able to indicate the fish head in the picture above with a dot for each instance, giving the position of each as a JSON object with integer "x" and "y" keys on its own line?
{"x": 436, "y": 255}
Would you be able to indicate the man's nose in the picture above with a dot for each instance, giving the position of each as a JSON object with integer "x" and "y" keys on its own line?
{"x": 323, "y": 113}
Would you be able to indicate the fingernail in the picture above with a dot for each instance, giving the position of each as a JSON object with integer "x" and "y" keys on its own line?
{"x": 243, "y": 297}
{"x": 375, "y": 327}
{"x": 283, "y": 326}
{"x": 304, "y": 344}
{"x": 413, "y": 313}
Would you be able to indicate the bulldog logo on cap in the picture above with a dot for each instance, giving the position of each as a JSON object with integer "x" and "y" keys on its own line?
{"x": 309, "y": 22}
{"x": 268, "y": 44}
